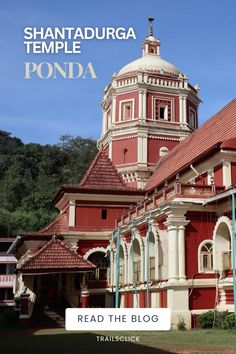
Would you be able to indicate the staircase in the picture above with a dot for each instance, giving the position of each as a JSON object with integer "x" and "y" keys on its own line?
{"x": 49, "y": 316}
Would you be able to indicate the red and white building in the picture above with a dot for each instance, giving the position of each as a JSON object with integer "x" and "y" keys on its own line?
{"x": 164, "y": 183}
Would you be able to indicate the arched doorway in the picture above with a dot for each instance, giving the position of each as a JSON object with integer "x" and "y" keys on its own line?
{"x": 135, "y": 262}
{"x": 222, "y": 244}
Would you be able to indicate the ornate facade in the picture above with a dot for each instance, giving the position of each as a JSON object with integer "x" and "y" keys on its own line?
{"x": 153, "y": 214}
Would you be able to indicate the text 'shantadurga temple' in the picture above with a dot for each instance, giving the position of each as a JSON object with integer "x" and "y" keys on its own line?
{"x": 153, "y": 213}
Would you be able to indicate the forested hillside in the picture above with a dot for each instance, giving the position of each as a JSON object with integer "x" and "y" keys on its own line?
{"x": 31, "y": 174}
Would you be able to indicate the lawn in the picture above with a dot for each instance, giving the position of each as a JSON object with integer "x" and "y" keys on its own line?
{"x": 58, "y": 341}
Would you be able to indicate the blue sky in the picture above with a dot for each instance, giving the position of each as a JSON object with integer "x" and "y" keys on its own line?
{"x": 197, "y": 36}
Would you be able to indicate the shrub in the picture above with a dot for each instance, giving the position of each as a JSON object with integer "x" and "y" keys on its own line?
{"x": 217, "y": 319}
{"x": 206, "y": 319}
{"x": 228, "y": 321}
{"x": 181, "y": 324}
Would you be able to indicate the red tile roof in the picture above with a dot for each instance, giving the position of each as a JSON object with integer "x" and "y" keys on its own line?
{"x": 55, "y": 255}
{"x": 102, "y": 174}
{"x": 229, "y": 144}
{"x": 221, "y": 127}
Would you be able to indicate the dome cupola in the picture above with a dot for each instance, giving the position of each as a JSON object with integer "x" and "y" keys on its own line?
{"x": 148, "y": 107}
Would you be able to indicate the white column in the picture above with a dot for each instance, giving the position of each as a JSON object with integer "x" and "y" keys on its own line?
{"x": 184, "y": 112}
{"x": 172, "y": 253}
{"x": 181, "y": 109}
{"x": 142, "y": 148}
{"x": 140, "y": 104}
{"x": 110, "y": 150}
{"x": 144, "y": 104}
{"x": 104, "y": 116}
{"x": 72, "y": 213}
{"x": 113, "y": 117}
{"x": 227, "y": 174}
{"x": 181, "y": 244}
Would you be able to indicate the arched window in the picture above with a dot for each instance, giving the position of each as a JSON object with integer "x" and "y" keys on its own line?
{"x": 125, "y": 154}
{"x": 136, "y": 261}
{"x": 206, "y": 256}
{"x": 100, "y": 260}
{"x": 151, "y": 257}
{"x": 163, "y": 151}
{"x": 122, "y": 267}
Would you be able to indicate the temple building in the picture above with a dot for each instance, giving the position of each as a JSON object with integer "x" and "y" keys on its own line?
{"x": 151, "y": 221}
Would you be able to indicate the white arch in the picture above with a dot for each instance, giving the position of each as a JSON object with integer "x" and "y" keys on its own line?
{"x": 221, "y": 241}
{"x": 199, "y": 255}
{"x": 93, "y": 250}
{"x": 141, "y": 246}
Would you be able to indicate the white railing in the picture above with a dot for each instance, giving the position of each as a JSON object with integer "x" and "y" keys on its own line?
{"x": 7, "y": 280}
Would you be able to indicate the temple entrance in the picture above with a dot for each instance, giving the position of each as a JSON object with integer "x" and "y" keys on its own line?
{"x": 49, "y": 291}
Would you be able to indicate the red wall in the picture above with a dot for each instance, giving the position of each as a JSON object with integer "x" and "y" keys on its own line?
{"x": 218, "y": 175}
{"x": 118, "y": 147}
{"x": 89, "y": 218}
{"x": 202, "y": 179}
{"x": 86, "y": 245}
{"x": 233, "y": 173}
{"x": 128, "y": 300}
{"x": 127, "y": 96}
{"x": 200, "y": 228}
{"x": 154, "y": 146}
{"x": 163, "y": 298}
{"x": 202, "y": 298}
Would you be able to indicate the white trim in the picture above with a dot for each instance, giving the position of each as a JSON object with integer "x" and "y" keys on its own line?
{"x": 93, "y": 250}
{"x": 200, "y": 270}
{"x": 121, "y": 102}
{"x": 172, "y": 108}
{"x": 217, "y": 250}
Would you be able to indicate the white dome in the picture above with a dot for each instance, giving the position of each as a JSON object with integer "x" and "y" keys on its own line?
{"x": 150, "y": 62}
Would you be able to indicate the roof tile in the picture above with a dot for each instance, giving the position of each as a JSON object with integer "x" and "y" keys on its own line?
{"x": 55, "y": 255}
{"x": 221, "y": 127}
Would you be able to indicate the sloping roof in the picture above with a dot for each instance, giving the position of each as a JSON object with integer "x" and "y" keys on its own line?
{"x": 102, "y": 174}
{"x": 221, "y": 127}
{"x": 229, "y": 144}
{"x": 55, "y": 255}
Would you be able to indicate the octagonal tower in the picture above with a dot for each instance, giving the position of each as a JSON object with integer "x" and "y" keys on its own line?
{"x": 148, "y": 107}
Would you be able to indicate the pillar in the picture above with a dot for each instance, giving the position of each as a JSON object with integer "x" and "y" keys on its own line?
{"x": 172, "y": 253}
{"x": 144, "y": 104}
{"x": 140, "y": 104}
{"x": 181, "y": 244}
{"x": 72, "y": 213}
{"x": 184, "y": 110}
{"x": 84, "y": 298}
{"x": 113, "y": 117}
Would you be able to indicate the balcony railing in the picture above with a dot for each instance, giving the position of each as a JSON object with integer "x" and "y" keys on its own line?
{"x": 178, "y": 190}
{"x": 7, "y": 280}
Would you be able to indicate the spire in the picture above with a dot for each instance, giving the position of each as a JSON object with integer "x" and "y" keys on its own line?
{"x": 150, "y": 20}
{"x": 151, "y": 45}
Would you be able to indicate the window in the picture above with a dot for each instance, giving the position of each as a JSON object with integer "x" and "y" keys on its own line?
{"x": 121, "y": 275}
{"x": 99, "y": 259}
{"x": 162, "y": 110}
{"x": 152, "y": 268}
{"x": 163, "y": 151}
{"x": 192, "y": 118}
{"x": 137, "y": 271}
{"x": 127, "y": 111}
{"x": 206, "y": 257}
{"x": 104, "y": 214}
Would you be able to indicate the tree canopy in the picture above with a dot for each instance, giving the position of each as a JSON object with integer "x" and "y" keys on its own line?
{"x": 31, "y": 174}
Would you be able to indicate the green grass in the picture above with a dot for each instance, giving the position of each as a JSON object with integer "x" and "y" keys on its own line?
{"x": 58, "y": 341}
